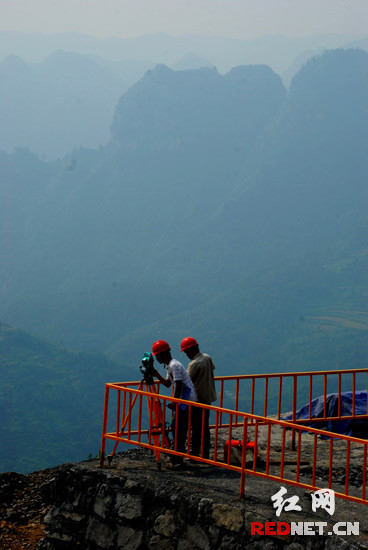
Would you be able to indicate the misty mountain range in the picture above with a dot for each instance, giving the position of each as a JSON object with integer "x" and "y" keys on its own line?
{"x": 223, "y": 207}
{"x": 276, "y": 51}
{"x": 67, "y": 100}
{"x": 210, "y": 188}
{"x": 58, "y": 92}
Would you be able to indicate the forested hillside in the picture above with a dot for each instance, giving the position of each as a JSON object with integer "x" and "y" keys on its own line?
{"x": 51, "y": 401}
{"x": 223, "y": 207}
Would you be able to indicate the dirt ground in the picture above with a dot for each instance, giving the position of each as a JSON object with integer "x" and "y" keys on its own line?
{"x": 22, "y": 509}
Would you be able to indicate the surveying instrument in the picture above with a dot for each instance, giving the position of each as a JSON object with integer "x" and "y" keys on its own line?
{"x": 157, "y": 428}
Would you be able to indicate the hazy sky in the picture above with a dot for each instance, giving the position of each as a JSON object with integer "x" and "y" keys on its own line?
{"x": 234, "y": 18}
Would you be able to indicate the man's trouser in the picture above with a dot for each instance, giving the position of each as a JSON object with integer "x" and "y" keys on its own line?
{"x": 196, "y": 419}
{"x": 181, "y": 435}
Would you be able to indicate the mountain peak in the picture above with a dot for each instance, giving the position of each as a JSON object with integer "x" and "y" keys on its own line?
{"x": 14, "y": 65}
{"x": 191, "y": 61}
{"x": 170, "y": 108}
{"x": 159, "y": 71}
{"x": 65, "y": 61}
{"x": 333, "y": 69}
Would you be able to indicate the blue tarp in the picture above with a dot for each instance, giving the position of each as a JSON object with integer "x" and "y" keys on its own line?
{"x": 348, "y": 427}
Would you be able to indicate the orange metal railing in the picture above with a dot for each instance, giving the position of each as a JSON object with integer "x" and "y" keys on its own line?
{"x": 290, "y": 391}
{"x": 126, "y": 421}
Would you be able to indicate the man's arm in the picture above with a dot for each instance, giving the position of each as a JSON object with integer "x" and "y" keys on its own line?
{"x": 177, "y": 393}
{"x": 166, "y": 382}
{"x": 192, "y": 369}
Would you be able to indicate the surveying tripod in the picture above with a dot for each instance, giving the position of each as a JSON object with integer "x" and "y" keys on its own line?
{"x": 157, "y": 426}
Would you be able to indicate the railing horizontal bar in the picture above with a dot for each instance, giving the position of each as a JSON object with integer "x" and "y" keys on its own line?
{"x": 342, "y": 417}
{"x": 268, "y": 375}
{"x": 286, "y": 374}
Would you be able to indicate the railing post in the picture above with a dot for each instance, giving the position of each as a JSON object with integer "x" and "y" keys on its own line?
{"x": 237, "y": 400}
{"x": 268, "y": 449}
{"x": 293, "y": 448}
{"x": 104, "y": 426}
{"x": 221, "y": 399}
{"x": 140, "y": 418}
{"x": 364, "y": 472}
{"x": 298, "y": 454}
{"x": 130, "y": 415}
{"x": 354, "y": 389}
{"x": 118, "y": 415}
{"x": 314, "y": 460}
{"x": 189, "y": 438}
{"x": 229, "y": 438}
{"x": 255, "y": 451}
{"x": 216, "y": 436}
{"x": 244, "y": 456}
{"x": 280, "y": 399}
{"x": 282, "y": 461}
{"x": 252, "y": 396}
{"x": 330, "y": 463}
{"x": 202, "y": 431}
{"x": 265, "y": 397}
{"x": 347, "y": 467}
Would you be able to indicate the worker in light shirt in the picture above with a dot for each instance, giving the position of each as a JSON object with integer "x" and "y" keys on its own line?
{"x": 183, "y": 389}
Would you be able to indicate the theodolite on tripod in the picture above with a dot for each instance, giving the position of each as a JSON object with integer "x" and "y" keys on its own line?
{"x": 158, "y": 429}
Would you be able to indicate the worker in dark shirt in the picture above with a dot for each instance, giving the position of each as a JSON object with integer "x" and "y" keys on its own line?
{"x": 201, "y": 371}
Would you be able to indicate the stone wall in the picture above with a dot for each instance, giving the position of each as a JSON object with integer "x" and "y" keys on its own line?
{"x": 107, "y": 509}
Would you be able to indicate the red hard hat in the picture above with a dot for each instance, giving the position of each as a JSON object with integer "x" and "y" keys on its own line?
{"x": 188, "y": 343}
{"x": 159, "y": 347}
